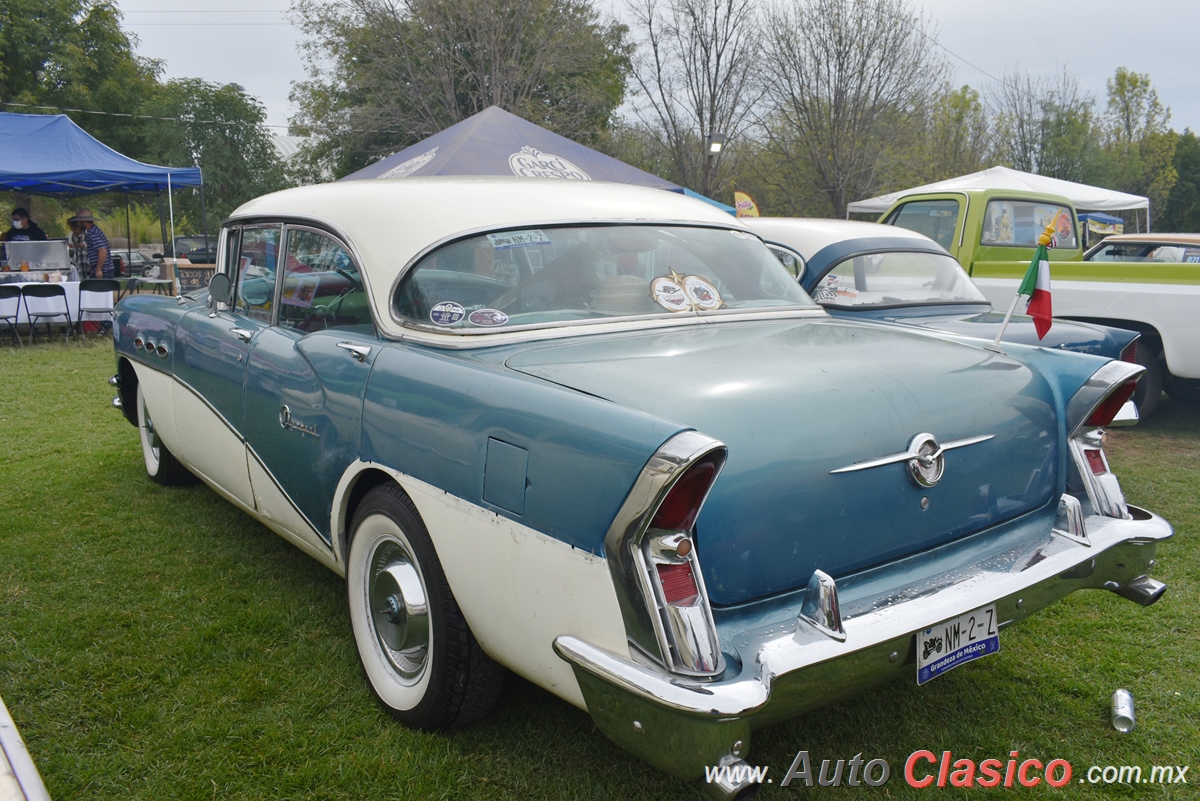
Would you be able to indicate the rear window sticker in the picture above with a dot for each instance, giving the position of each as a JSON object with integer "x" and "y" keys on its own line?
{"x": 701, "y": 293}
{"x": 669, "y": 294}
{"x": 488, "y": 317}
{"x": 447, "y": 313}
{"x": 517, "y": 239}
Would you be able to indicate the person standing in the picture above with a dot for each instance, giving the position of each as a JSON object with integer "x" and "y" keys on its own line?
{"x": 77, "y": 242}
{"x": 99, "y": 254}
{"x": 23, "y": 229}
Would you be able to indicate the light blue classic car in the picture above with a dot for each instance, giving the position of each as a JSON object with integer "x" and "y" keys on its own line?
{"x": 551, "y": 427}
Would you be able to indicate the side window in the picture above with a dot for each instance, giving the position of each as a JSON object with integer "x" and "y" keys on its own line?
{"x": 256, "y": 264}
{"x": 936, "y": 219}
{"x": 322, "y": 287}
{"x": 789, "y": 259}
{"x": 1019, "y": 223}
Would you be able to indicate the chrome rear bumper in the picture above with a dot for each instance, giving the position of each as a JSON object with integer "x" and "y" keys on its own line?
{"x": 784, "y": 668}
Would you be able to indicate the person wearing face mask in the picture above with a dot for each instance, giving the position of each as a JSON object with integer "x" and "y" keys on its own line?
{"x": 23, "y": 229}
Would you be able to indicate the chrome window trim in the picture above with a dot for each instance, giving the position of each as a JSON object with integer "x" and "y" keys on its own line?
{"x": 408, "y": 325}
{"x": 646, "y": 626}
{"x": 324, "y": 226}
{"x": 574, "y": 328}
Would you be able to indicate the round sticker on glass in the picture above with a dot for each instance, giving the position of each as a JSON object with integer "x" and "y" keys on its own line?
{"x": 742, "y": 234}
{"x": 669, "y": 294}
{"x": 488, "y": 317}
{"x": 701, "y": 293}
{"x": 447, "y": 313}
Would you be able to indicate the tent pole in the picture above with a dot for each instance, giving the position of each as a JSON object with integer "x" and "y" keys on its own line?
{"x": 162, "y": 226}
{"x": 171, "y": 209}
{"x": 1147, "y": 216}
{"x": 203, "y": 216}
{"x": 128, "y": 236}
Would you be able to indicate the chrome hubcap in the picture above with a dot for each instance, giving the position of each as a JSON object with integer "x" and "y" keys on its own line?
{"x": 151, "y": 435}
{"x": 399, "y": 610}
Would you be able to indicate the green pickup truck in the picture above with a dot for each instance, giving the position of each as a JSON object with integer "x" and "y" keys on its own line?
{"x": 993, "y": 234}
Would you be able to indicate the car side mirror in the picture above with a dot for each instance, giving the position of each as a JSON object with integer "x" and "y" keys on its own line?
{"x": 220, "y": 288}
{"x": 156, "y": 255}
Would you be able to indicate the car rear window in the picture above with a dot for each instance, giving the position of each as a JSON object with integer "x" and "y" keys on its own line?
{"x": 896, "y": 278}
{"x": 553, "y": 275}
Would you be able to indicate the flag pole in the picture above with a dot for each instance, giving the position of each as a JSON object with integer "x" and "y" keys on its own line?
{"x": 1044, "y": 240}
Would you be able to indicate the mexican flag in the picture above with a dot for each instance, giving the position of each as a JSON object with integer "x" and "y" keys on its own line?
{"x": 1037, "y": 286}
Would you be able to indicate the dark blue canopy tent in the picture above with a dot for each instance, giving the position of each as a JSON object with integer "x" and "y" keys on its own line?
{"x": 494, "y": 142}
{"x": 45, "y": 154}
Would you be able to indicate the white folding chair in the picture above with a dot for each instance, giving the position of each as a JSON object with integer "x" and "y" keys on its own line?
{"x": 96, "y": 297}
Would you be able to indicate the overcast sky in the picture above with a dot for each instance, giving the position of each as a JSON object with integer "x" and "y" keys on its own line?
{"x": 249, "y": 42}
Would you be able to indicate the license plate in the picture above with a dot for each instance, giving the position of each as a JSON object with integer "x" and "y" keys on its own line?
{"x": 947, "y": 645}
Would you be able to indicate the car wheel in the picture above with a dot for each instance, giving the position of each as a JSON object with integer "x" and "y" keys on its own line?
{"x": 420, "y": 657}
{"x": 1150, "y": 385}
{"x": 1186, "y": 390}
{"x": 161, "y": 465}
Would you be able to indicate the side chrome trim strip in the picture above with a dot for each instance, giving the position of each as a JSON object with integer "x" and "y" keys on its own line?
{"x": 250, "y": 452}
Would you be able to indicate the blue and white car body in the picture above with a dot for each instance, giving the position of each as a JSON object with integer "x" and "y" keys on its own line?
{"x": 551, "y": 425}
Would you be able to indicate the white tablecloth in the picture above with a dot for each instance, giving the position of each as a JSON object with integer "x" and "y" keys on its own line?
{"x": 45, "y": 304}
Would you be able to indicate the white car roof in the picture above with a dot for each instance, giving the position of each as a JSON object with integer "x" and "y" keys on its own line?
{"x": 390, "y": 222}
{"x": 808, "y": 235}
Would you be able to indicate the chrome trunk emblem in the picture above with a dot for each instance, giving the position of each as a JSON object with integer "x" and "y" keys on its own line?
{"x": 925, "y": 458}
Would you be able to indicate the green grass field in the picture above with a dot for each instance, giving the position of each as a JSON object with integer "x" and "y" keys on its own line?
{"x": 158, "y": 644}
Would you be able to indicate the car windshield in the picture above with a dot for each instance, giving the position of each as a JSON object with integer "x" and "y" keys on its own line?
{"x": 539, "y": 276}
{"x": 1145, "y": 251}
{"x": 896, "y": 278}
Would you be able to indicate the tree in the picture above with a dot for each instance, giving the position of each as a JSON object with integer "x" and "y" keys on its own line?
{"x": 695, "y": 75}
{"x": 221, "y": 130}
{"x": 845, "y": 75}
{"x": 1140, "y": 148}
{"x": 73, "y": 54}
{"x": 1183, "y": 203}
{"x": 386, "y": 73}
{"x": 1046, "y": 126}
{"x": 951, "y": 136}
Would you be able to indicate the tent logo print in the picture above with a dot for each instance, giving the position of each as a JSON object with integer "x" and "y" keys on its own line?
{"x": 412, "y": 165}
{"x": 530, "y": 162}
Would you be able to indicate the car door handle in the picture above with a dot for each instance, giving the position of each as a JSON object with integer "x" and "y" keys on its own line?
{"x": 359, "y": 352}
{"x": 242, "y": 334}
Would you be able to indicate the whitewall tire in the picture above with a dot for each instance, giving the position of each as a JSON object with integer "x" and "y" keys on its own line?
{"x": 420, "y": 658}
{"x": 161, "y": 465}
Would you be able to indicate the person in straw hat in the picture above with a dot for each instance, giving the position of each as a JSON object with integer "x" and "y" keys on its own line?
{"x": 99, "y": 254}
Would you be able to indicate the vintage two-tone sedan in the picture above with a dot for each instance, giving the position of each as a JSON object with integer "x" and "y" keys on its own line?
{"x": 550, "y": 427}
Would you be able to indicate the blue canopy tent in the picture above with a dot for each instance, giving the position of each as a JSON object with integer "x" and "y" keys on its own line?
{"x": 495, "y": 142}
{"x": 48, "y": 154}
{"x": 1096, "y": 225}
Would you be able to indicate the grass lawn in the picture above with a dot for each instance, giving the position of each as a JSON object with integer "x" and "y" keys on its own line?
{"x": 158, "y": 644}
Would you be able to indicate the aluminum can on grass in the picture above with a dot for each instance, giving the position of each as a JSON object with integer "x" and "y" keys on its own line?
{"x": 1122, "y": 711}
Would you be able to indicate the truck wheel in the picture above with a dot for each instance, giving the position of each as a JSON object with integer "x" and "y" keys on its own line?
{"x": 1150, "y": 385}
{"x": 421, "y": 659}
{"x": 1186, "y": 390}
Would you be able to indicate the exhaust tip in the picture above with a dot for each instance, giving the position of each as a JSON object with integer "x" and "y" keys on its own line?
{"x": 734, "y": 780}
{"x": 1143, "y": 590}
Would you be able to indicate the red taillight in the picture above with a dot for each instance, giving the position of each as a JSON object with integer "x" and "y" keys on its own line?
{"x": 678, "y": 583}
{"x": 678, "y": 510}
{"x": 1108, "y": 408}
{"x": 1095, "y": 460}
{"x": 1129, "y": 354}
